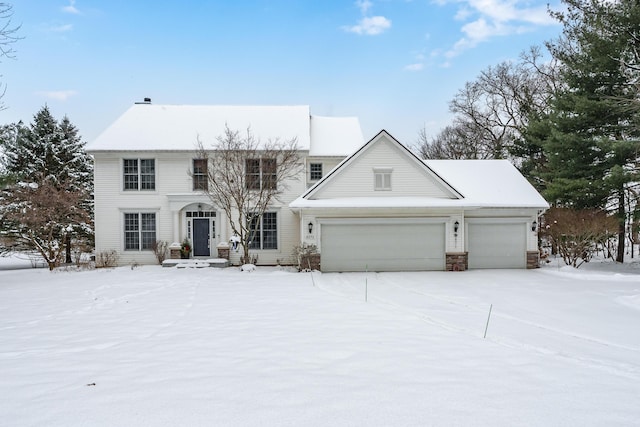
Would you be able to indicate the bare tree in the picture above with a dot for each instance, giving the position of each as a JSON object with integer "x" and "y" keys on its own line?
{"x": 7, "y": 38}
{"x": 246, "y": 176}
{"x": 456, "y": 141}
{"x": 39, "y": 217}
{"x": 491, "y": 112}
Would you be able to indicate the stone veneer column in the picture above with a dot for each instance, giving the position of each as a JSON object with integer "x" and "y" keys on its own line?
{"x": 174, "y": 250}
{"x": 223, "y": 250}
{"x": 533, "y": 260}
{"x": 457, "y": 261}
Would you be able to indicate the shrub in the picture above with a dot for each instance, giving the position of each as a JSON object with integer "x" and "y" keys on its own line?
{"x": 107, "y": 259}
{"x": 576, "y": 234}
{"x": 185, "y": 249}
{"x": 303, "y": 254}
{"x": 159, "y": 248}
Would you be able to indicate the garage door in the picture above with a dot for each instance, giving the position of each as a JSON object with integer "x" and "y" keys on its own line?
{"x": 497, "y": 245}
{"x": 382, "y": 247}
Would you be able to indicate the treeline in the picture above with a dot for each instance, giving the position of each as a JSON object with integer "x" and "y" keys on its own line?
{"x": 567, "y": 115}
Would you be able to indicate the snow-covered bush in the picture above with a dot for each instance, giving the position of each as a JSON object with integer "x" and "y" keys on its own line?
{"x": 248, "y": 268}
{"x": 304, "y": 254}
{"x": 159, "y": 248}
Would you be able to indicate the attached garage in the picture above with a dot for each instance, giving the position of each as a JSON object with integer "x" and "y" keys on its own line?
{"x": 382, "y": 246}
{"x": 497, "y": 245}
{"x": 385, "y": 209}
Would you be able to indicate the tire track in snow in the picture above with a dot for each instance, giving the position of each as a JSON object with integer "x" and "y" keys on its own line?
{"x": 607, "y": 364}
{"x": 483, "y": 310}
{"x": 430, "y": 316}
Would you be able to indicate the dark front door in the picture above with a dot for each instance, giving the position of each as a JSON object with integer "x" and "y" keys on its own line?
{"x": 201, "y": 237}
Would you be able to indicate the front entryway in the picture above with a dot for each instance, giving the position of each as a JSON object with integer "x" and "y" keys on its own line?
{"x": 201, "y": 237}
{"x": 201, "y": 231}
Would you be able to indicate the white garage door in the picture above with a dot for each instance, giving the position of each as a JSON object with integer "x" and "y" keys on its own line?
{"x": 497, "y": 245}
{"x": 382, "y": 247}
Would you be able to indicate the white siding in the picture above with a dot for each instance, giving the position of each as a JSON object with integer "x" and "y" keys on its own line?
{"x": 328, "y": 163}
{"x": 111, "y": 201}
{"x": 288, "y": 229}
{"x": 172, "y": 177}
{"x": 408, "y": 178}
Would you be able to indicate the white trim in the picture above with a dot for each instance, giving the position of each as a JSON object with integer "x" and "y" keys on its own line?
{"x": 122, "y": 228}
{"x": 385, "y": 179}
{"x": 320, "y": 220}
{"x": 504, "y": 220}
{"x": 437, "y": 179}
{"x": 278, "y": 247}
{"x": 155, "y": 174}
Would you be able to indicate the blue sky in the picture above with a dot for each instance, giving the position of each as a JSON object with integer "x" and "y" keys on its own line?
{"x": 395, "y": 64}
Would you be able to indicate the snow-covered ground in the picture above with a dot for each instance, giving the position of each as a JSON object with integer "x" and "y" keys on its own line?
{"x": 159, "y": 346}
{"x": 16, "y": 261}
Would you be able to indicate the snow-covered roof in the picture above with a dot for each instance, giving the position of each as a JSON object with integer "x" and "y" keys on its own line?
{"x": 151, "y": 127}
{"x": 335, "y": 136}
{"x": 476, "y": 184}
{"x": 484, "y": 183}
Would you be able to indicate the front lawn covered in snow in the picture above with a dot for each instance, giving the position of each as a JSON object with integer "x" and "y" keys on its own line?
{"x": 156, "y": 346}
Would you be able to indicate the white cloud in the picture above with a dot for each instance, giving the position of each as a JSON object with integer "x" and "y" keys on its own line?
{"x": 370, "y": 26}
{"x": 414, "y": 67}
{"x": 64, "y": 28}
{"x": 364, "y": 6}
{"x": 482, "y": 30}
{"x": 58, "y": 95}
{"x": 419, "y": 62}
{"x": 487, "y": 19}
{"x": 462, "y": 14}
{"x": 71, "y": 8}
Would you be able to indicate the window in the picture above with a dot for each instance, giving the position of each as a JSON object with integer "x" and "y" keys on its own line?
{"x": 261, "y": 174}
{"x": 200, "y": 214}
{"x": 382, "y": 179}
{"x": 139, "y": 174}
{"x": 200, "y": 176}
{"x": 315, "y": 171}
{"x": 139, "y": 231}
{"x": 252, "y": 171}
{"x": 269, "y": 173}
{"x": 264, "y": 231}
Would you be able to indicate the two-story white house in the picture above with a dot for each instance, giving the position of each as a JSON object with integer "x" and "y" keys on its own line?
{"x": 366, "y": 206}
{"x": 148, "y": 179}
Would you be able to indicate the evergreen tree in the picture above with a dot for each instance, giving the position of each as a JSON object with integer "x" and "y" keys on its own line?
{"x": 593, "y": 143}
{"x": 47, "y": 154}
{"x": 528, "y": 148}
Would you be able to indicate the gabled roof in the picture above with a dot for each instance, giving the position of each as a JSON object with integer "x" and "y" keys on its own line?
{"x": 382, "y": 135}
{"x": 151, "y": 127}
{"x": 472, "y": 184}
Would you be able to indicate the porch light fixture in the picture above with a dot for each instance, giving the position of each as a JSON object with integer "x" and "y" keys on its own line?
{"x": 456, "y": 225}
{"x": 310, "y": 228}
{"x": 199, "y": 207}
{"x": 534, "y": 226}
